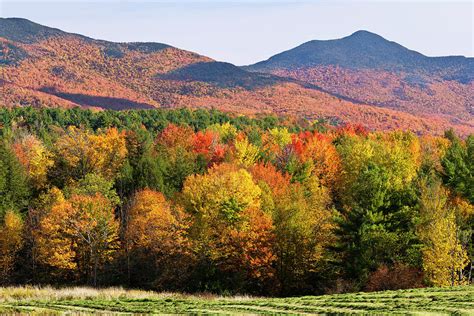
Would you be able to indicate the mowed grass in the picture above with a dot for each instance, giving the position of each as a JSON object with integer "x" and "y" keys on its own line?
{"x": 80, "y": 300}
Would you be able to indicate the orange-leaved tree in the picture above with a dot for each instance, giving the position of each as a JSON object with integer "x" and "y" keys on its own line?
{"x": 207, "y": 145}
{"x": 303, "y": 225}
{"x": 321, "y": 152}
{"x": 174, "y": 146}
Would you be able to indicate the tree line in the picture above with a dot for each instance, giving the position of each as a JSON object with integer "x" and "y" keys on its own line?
{"x": 183, "y": 200}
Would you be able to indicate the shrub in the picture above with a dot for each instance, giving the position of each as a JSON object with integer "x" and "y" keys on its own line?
{"x": 399, "y": 276}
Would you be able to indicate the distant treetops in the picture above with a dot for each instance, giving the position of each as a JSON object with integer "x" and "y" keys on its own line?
{"x": 205, "y": 201}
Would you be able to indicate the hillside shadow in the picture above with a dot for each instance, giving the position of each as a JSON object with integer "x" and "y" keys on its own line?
{"x": 108, "y": 103}
{"x": 223, "y": 75}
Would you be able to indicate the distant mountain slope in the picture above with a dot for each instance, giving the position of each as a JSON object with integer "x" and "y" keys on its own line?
{"x": 43, "y": 66}
{"x": 366, "y": 50}
{"x": 368, "y": 68}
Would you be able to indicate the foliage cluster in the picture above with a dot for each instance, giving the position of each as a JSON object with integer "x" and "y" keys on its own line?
{"x": 203, "y": 201}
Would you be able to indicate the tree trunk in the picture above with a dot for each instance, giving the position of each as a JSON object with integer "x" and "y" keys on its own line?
{"x": 96, "y": 264}
{"x": 469, "y": 279}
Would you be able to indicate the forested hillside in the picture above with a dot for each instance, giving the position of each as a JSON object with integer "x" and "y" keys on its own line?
{"x": 46, "y": 67}
{"x": 183, "y": 200}
{"x": 366, "y": 67}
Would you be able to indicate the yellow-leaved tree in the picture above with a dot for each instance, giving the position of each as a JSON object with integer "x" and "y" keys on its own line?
{"x": 280, "y": 136}
{"x": 156, "y": 240}
{"x": 78, "y": 235}
{"x": 226, "y": 131}
{"x": 229, "y": 228}
{"x": 83, "y": 152}
{"x": 11, "y": 241}
{"x": 34, "y": 157}
{"x": 396, "y": 152}
{"x": 443, "y": 255}
{"x": 303, "y": 225}
{"x": 246, "y": 153}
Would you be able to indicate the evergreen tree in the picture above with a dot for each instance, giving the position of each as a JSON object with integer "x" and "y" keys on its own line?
{"x": 14, "y": 190}
{"x": 458, "y": 166}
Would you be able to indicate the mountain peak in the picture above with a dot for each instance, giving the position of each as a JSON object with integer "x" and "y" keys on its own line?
{"x": 25, "y": 31}
{"x": 363, "y": 33}
{"x": 362, "y": 49}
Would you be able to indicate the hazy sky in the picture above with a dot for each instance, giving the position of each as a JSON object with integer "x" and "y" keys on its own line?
{"x": 246, "y": 31}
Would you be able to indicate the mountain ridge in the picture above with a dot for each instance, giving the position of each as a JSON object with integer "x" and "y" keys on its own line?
{"x": 370, "y": 69}
{"x": 361, "y": 50}
{"x": 49, "y": 67}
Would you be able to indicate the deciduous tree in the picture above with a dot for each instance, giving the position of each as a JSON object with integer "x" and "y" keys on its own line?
{"x": 34, "y": 157}
{"x": 11, "y": 241}
{"x": 443, "y": 256}
{"x": 228, "y": 223}
{"x": 156, "y": 240}
{"x": 84, "y": 152}
{"x": 246, "y": 153}
{"x": 78, "y": 235}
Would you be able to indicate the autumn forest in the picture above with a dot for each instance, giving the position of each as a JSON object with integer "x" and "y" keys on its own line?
{"x": 206, "y": 201}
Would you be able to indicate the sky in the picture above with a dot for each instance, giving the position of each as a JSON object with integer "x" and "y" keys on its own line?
{"x": 245, "y": 31}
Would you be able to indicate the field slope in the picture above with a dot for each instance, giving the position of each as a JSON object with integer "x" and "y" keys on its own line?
{"x": 436, "y": 301}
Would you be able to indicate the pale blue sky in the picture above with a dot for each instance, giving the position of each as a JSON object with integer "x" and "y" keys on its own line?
{"x": 246, "y": 31}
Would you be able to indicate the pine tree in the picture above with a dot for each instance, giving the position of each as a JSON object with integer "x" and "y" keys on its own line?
{"x": 14, "y": 189}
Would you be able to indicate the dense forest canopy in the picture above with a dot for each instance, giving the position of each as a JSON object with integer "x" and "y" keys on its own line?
{"x": 207, "y": 201}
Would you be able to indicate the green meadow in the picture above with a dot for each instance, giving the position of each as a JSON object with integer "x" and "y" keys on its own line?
{"x": 80, "y": 300}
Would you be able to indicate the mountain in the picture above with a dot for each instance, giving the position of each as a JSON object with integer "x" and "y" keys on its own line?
{"x": 366, "y": 50}
{"x": 43, "y": 66}
{"x": 367, "y": 68}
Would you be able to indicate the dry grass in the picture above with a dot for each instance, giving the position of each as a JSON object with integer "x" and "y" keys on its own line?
{"x": 15, "y": 293}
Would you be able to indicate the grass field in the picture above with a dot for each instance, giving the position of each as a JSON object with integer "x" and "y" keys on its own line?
{"x": 436, "y": 301}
